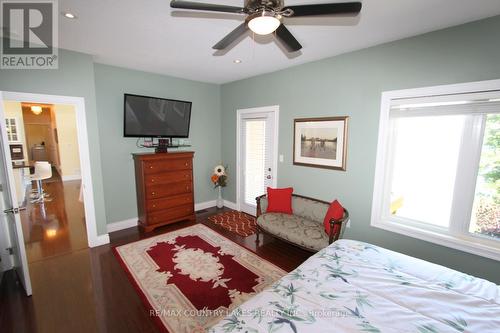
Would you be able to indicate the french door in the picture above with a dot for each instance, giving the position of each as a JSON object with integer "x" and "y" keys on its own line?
{"x": 257, "y": 163}
{"x": 9, "y": 213}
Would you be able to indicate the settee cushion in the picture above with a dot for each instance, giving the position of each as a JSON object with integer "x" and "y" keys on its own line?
{"x": 296, "y": 229}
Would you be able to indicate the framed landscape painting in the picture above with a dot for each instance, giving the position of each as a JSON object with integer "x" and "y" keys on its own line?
{"x": 320, "y": 142}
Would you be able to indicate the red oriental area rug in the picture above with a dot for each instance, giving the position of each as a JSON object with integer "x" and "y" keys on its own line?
{"x": 191, "y": 278}
{"x": 238, "y": 222}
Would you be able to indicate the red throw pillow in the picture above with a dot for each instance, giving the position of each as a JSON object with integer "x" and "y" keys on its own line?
{"x": 336, "y": 212}
{"x": 279, "y": 200}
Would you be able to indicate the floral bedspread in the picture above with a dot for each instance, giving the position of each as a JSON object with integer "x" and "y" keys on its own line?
{"x": 352, "y": 286}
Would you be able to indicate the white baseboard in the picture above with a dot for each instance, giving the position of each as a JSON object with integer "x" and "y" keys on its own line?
{"x": 204, "y": 205}
{"x": 100, "y": 240}
{"x": 230, "y": 204}
{"x": 212, "y": 203}
{"x": 71, "y": 177}
{"x": 132, "y": 222}
{"x": 120, "y": 225}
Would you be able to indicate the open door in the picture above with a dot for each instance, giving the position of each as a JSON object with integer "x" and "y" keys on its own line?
{"x": 9, "y": 214}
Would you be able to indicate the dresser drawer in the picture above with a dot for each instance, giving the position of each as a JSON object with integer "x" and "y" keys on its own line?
{"x": 151, "y": 167}
{"x": 170, "y": 202}
{"x": 161, "y": 191}
{"x": 170, "y": 214}
{"x": 168, "y": 177}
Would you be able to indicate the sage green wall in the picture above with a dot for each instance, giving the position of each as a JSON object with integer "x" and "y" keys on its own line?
{"x": 117, "y": 163}
{"x": 75, "y": 77}
{"x": 351, "y": 84}
{"x": 111, "y": 162}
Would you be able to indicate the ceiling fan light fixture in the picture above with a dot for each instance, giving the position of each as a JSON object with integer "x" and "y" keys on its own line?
{"x": 263, "y": 17}
{"x": 264, "y": 23}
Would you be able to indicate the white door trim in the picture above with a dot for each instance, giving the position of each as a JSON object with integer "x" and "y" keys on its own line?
{"x": 13, "y": 237}
{"x": 81, "y": 124}
{"x": 274, "y": 111}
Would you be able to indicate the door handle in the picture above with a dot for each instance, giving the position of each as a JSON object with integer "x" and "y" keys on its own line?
{"x": 268, "y": 177}
{"x": 14, "y": 210}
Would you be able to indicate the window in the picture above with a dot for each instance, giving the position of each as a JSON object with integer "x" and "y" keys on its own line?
{"x": 438, "y": 166}
{"x": 485, "y": 218}
{"x": 12, "y": 130}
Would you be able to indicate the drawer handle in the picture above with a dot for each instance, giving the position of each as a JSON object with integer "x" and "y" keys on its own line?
{"x": 154, "y": 206}
{"x": 152, "y": 180}
{"x": 151, "y": 167}
{"x": 153, "y": 193}
{"x": 186, "y": 164}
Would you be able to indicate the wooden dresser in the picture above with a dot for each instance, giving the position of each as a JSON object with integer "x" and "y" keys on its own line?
{"x": 164, "y": 185}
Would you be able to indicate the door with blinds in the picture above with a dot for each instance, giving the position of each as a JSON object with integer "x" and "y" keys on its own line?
{"x": 257, "y": 156}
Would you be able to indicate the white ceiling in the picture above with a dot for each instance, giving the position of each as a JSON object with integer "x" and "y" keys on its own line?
{"x": 147, "y": 35}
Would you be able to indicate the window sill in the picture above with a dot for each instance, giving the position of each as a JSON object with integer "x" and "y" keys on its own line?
{"x": 469, "y": 244}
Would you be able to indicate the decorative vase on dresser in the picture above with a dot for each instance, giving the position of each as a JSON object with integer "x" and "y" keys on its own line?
{"x": 164, "y": 186}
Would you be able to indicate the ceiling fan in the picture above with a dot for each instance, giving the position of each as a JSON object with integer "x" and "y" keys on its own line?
{"x": 265, "y": 16}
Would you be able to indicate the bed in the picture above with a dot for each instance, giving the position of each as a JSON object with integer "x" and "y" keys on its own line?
{"x": 352, "y": 286}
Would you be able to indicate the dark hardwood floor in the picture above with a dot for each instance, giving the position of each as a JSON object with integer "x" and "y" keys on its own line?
{"x": 87, "y": 290}
{"x": 55, "y": 227}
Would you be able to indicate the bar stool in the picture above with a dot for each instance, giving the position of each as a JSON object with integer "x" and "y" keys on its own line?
{"x": 43, "y": 170}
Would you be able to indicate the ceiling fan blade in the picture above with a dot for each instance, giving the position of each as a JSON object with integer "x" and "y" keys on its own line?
{"x": 231, "y": 37}
{"x": 206, "y": 6}
{"x": 325, "y": 9}
{"x": 286, "y": 37}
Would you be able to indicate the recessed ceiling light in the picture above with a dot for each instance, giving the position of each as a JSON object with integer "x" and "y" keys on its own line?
{"x": 69, "y": 15}
{"x": 237, "y": 61}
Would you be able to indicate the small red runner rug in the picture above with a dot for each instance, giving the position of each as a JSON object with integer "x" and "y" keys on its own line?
{"x": 191, "y": 278}
{"x": 238, "y": 222}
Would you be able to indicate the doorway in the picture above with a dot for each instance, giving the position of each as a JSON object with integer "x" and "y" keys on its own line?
{"x": 257, "y": 147}
{"x": 53, "y": 220}
{"x": 68, "y": 184}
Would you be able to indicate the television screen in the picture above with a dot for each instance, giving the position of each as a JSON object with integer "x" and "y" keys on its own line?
{"x": 156, "y": 117}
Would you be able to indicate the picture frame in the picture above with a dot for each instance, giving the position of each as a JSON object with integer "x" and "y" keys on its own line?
{"x": 320, "y": 142}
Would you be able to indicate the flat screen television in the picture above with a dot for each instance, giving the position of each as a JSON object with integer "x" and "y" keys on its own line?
{"x": 154, "y": 117}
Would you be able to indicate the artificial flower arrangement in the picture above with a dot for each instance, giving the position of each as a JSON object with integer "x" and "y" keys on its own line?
{"x": 219, "y": 177}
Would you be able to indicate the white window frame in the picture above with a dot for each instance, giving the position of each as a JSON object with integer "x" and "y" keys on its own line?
{"x": 457, "y": 236}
